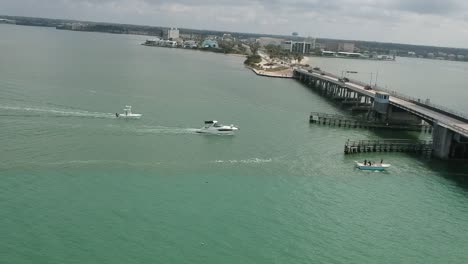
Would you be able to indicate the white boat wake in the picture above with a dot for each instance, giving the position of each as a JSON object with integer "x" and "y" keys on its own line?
{"x": 245, "y": 161}
{"x": 165, "y": 130}
{"x": 56, "y": 112}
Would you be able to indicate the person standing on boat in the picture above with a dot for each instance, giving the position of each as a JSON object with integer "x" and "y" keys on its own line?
{"x": 365, "y": 162}
{"x": 381, "y": 161}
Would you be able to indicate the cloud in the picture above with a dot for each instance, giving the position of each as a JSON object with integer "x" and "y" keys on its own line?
{"x": 409, "y": 21}
{"x": 439, "y": 7}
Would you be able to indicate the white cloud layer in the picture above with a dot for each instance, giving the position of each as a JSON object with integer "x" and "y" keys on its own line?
{"x": 430, "y": 22}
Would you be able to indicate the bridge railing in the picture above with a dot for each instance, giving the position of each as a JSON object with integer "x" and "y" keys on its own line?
{"x": 457, "y": 128}
{"x": 387, "y": 141}
{"x": 405, "y": 97}
{"x": 415, "y": 100}
{"x": 422, "y": 102}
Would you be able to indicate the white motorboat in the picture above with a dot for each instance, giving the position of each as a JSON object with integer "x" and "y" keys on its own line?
{"x": 372, "y": 167}
{"x": 127, "y": 114}
{"x": 213, "y": 127}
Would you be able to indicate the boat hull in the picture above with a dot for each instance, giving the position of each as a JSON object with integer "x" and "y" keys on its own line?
{"x": 214, "y": 132}
{"x": 132, "y": 116}
{"x": 376, "y": 167}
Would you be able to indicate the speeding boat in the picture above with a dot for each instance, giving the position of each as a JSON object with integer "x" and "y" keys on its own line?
{"x": 127, "y": 114}
{"x": 213, "y": 127}
{"x": 373, "y": 167}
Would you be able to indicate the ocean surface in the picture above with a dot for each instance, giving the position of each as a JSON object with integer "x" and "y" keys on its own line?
{"x": 78, "y": 185}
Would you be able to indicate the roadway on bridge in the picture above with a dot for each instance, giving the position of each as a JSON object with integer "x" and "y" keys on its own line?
{"x": 444, "y": 120}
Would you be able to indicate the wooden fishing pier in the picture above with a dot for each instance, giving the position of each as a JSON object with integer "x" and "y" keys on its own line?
{"x": 388, "y": 145}
{"x": 344, "y": 121}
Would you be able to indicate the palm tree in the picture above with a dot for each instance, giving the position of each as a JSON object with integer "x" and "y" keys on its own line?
{"x": 298, "y": 57}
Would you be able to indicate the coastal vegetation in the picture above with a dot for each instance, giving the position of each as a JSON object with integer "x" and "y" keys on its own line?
{"x": 232, "y": 47}
{"x": 252, "y": 60}
{"x": 276, "y": 52}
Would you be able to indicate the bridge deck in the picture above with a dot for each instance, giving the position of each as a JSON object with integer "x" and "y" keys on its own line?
{"x": 442, "y": 119}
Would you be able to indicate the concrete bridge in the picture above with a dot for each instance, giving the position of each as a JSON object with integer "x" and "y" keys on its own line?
{"x": 450, "y": 129}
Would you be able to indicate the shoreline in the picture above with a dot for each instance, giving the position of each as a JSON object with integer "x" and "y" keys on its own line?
{"x": 284, "y": 74}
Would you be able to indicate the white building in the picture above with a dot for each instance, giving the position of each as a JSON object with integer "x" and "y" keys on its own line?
{"x": 77, "y": 26}
{"x": 346, "y": 47}
{"x": 295, "y": 46}
{"x": 312, "y": 41}
{"x": 190, "y": 44}
{"x": 173, "y": 34}
{"x": 227, "y": 37}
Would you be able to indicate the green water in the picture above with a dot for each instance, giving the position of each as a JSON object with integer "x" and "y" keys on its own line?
{"x": 79, "y": 186}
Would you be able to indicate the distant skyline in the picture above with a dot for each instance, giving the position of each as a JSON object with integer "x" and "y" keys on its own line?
{"x": 422, "y": 22}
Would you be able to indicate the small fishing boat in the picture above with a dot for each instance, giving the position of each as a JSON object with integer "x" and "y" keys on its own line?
{"x": 127, "y": 114}
{"x": 373, "y": 167}
{"x": 213, "y": 127}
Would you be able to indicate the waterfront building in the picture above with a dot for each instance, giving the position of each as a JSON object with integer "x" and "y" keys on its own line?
{"x": 153, "y": 42}
{"x": 346, "y": 47}
{"x": 349, "y": 54}
{"x": 430, "y": 55}
{"x": 296, "y": 46}
{"x": 328, "y": 53}
{"x": 190, "y": 44}
{"x": 460, "y": 57}
{"x": 209, "y": 43}
{"x": 385, "y": 57}
{"x": 77, "y": 26}
{"x": 173, "y": 34}
{"x": 312, "y": 41}
{"x": 451, "y": 56}
{"x": 170, "y": 43}
{"x": 228, "y": 37}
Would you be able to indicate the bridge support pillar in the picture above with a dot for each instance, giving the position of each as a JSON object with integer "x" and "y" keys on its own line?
{"x": 448, "y": 144}
{"x": 442, "y": 141}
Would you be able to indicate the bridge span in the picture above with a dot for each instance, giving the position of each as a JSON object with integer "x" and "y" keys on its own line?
{"x": 450, "y": 129}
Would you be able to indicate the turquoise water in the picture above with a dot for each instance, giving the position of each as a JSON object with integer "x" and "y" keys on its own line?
{"x": 79, "y": 186}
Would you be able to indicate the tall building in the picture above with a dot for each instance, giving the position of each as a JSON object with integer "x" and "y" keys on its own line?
{"x": 173, "y": 34}
{"x": 312, "y": 41}
{"x": 296, "y": 47}
{"x": 346, "y": 47}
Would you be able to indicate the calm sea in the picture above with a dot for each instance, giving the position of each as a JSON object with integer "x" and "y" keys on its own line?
{"x": 79, "y": 186}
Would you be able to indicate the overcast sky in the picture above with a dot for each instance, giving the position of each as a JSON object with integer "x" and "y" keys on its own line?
{"x": 430, "y": 22}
